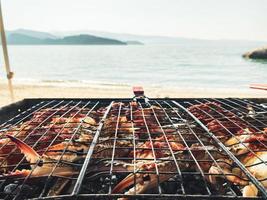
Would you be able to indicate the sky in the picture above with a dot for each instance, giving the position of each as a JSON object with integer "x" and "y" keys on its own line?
{"x": 206, "y": 19}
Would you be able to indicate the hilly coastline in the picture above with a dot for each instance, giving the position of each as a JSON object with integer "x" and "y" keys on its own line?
{"x": 82, "y": 39}
{"x": 32, "y": 37}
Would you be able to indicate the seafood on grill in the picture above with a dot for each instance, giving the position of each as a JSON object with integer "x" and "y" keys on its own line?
{"x": 104, "y": 148}
{"x": 39, "y": 133}
{"x": 42, "y": 123}
{"x": 150, "y": 158}
{"x": 61, "y": 136}
{"x": 144, "y": 169}
{"x": 145, "y": 176}
{"x": 256, "y": 165}
{"x": 41, "y": 165}
{"x": 218, "y": 120}
{"x": 56, "y": 158}
{"x": 160, "y": 146}
{"x": 247, "y": 141}
{"x": 247, "y": 144}
{"x": 224, "y": 128}
{"x": 251, "y": 150}
{"x": 141, "y": 145}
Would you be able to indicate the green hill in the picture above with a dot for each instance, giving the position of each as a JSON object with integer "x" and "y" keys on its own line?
{"x": 21, "y": 39}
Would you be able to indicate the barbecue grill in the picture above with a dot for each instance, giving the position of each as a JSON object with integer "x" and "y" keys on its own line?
{"x": 123, "y": 133}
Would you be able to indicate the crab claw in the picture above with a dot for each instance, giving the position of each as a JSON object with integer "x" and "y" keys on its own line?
{"x": 229, "y": 174}
{"x": 141, "y": 182}
{"x": 44, "y": 165}
{"x": 31, "y": 155}
{"x": 17, "y": 174}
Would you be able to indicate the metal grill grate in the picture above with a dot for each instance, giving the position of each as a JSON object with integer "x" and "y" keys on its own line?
{"x": 133, "y": 149}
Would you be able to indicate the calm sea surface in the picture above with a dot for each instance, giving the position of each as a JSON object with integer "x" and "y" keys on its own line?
{"x": 210, "y": 64}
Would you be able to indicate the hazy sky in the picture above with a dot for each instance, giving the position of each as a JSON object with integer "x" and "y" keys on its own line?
{"x": 212, "y": 19}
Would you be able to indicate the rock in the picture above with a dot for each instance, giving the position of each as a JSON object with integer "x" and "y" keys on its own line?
{"x": 260, "y": 53}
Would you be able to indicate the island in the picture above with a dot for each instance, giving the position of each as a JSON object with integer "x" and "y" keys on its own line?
{"x": 83, "y": 39}
{"x": 260, "y": 53}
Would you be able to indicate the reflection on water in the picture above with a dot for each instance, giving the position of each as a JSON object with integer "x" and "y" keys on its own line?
{"x": 258, "y": 61}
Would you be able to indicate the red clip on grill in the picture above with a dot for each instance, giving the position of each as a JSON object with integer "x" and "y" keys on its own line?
{"x": 120, "y": 148}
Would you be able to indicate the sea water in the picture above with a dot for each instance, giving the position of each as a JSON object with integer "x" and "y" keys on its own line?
{"x": 216, "y": 64}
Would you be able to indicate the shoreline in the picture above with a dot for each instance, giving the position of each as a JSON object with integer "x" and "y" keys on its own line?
{"x": 55, "y": 90}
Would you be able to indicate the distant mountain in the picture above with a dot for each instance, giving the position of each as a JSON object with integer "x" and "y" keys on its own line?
{"x": 17, "y": 38}
{"x": 84, "y": 39}
{"x": 31, "y": 33}
{"x": 120, "y": 37}
{"x": 116, "y": 36}
{"x": 131, "y": 37}
{"x": 148, "y": 39}
{"x": 22, "y": 39}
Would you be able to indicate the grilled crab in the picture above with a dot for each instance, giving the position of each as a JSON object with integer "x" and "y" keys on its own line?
{"x": 144, "y": 169}
{"x": 62, "y": 153}
{"x": 43, "y": 165}
{"x": 145, "y": 176}
{"x": 254, "y": 160}
{"x": 60, "y": 128}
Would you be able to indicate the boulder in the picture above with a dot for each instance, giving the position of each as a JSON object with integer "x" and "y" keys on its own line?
{"x": 260, "y": 53}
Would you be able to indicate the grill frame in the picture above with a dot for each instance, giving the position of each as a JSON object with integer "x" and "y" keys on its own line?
{"x": 29, "y": 103}
{"x": 24, "y": 106}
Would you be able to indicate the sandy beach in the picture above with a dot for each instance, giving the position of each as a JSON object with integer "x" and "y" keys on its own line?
{"x": 55, "y": 90}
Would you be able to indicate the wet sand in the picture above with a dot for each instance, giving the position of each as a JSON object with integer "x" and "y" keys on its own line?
{"x": 22, "y": 91}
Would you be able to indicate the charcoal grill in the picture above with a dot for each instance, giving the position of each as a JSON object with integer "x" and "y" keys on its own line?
{"x": 98, "y": 175}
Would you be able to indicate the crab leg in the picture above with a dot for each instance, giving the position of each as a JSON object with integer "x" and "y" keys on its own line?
{"x": 31, "y": 155}
{"x": 144, "y": 181}
{"x": 17, "y": 174}
{"x": 225, "y": 171}
{"x": 44, "y": 165}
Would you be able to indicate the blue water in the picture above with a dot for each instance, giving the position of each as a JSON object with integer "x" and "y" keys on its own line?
{"x": 207, "y": 64}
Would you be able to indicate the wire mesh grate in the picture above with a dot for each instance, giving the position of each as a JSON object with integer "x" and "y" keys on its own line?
{"x": 127, "y": 149}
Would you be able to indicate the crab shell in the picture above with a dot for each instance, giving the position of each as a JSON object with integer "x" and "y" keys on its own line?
{"x": 257, "y": 165}
{"x": 256, "y": 162}
{"x": 41, "y": 165}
